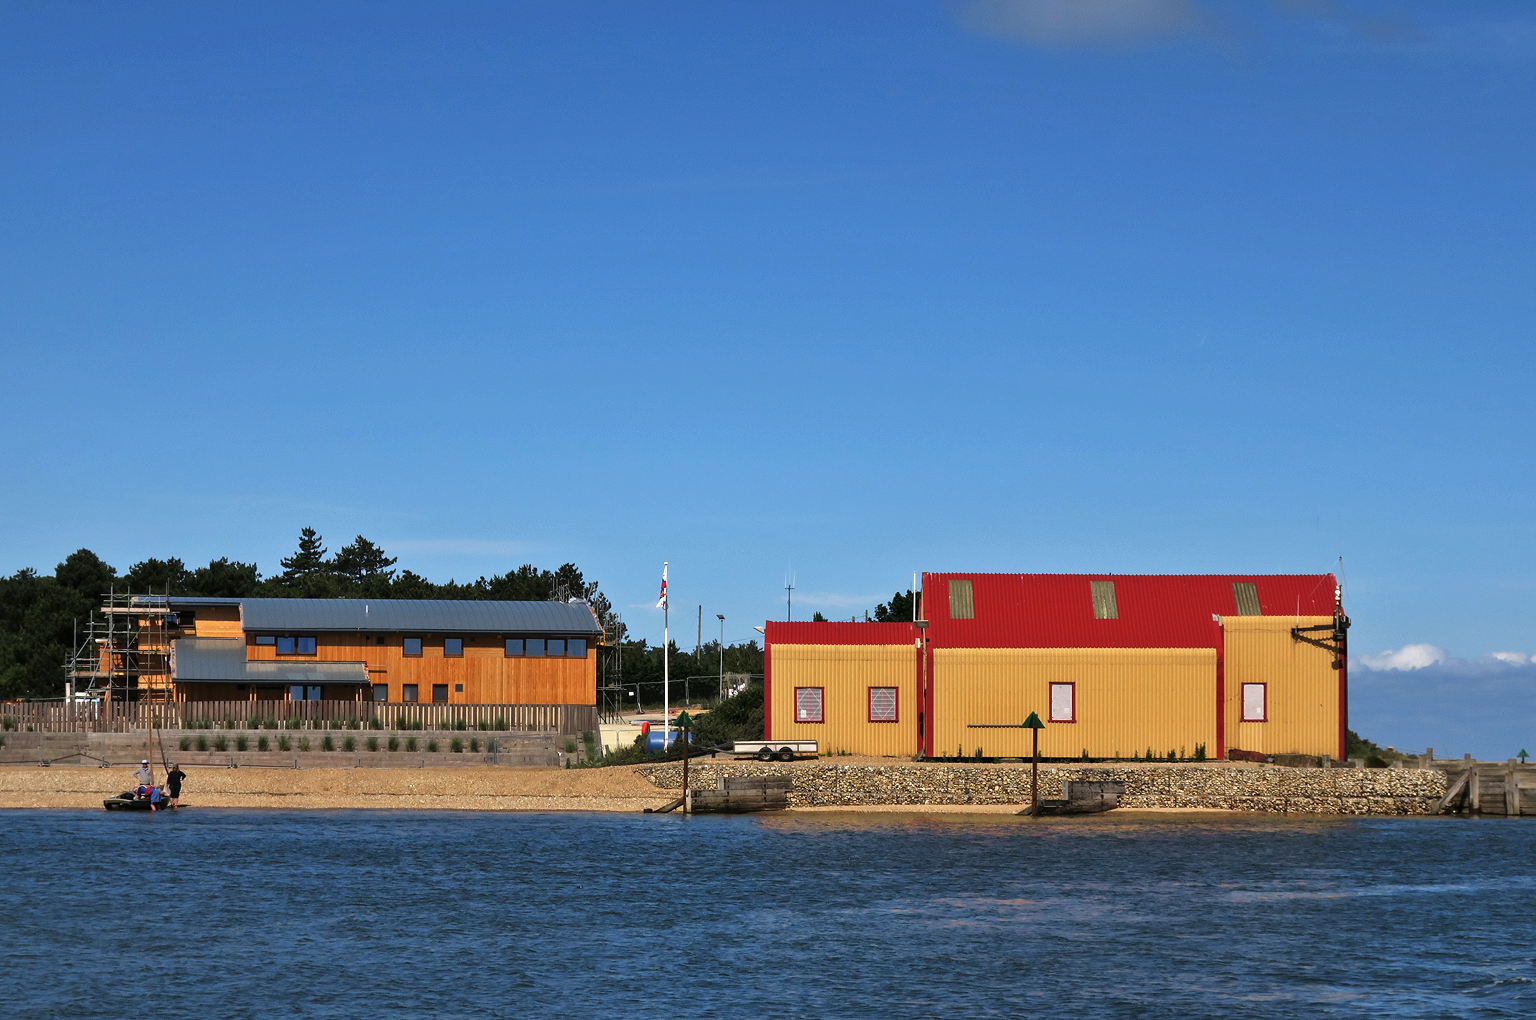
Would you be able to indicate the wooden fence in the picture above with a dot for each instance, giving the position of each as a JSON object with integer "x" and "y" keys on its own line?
{"x": 123, "y": 717}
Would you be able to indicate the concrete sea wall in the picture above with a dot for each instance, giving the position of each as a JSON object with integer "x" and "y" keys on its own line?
{"x": 1231, "y": 787}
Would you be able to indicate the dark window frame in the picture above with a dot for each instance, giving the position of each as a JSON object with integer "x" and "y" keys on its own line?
{"x": 508, "y": 653}
{"x": 381, "y": 689}
{"x": 314, "y": 645}
{"x": 408, "y": 693}
{"x": 267, "y": 640}
{"x": 436, "y": 688}
{"x": 405, "y": 647}
{"x": 459, "y": 654}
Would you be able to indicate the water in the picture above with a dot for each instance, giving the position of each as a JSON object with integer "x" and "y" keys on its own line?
{"x": 374, "y": 914}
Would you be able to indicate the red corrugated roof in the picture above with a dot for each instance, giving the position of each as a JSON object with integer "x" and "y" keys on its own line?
{"x": 838, "y": 633}
{"x": 1156, "y": 611}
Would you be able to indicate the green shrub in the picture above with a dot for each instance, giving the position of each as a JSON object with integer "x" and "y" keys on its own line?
{"x": 1172, "y": 756}
{"x": 1085, "y": 754}
{"x": 350, "y": 744}
{"x": 482, "y": 725}
{"x": 474, "y": 745}
{"x": 229, "y": 722}
{"x": 459, "y": 725}
{"x": 570, "y": 745}
{"x": 374, "y": 724}
{"x": 185, "y": 745}
{"x": 352, "y": 722}
{"x": 294, "y": 724}
{"x": 220, "y": 744}
{"x": 394, "y": 743}
{"x": 1199, "y": 752}
{"x": 304, "y": 744}
{"x": 739, "y": 717}
{"x": 456, "y": 746}
{"x": 373, "y": 743}
{"x": 1150, "y": 755}
{"x": 202, "y": 742}
{"x": 327, "y": 744}
{"x": 410, "y": 744}
{"x": 242, "y": 742}
{"x": 262, "y": 743}
{"x": 501, "y": 722}
{"x": 284, "y": 744}
{"x": 432, "y": 746}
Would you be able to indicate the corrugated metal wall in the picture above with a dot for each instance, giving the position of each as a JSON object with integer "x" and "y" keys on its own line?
{"x": 1302, "y": 692}
{"x": 1128, "y": 699}
{"x": 846, "y": 672}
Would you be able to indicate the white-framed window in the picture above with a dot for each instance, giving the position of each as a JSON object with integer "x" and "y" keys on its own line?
{"x": 1063, "y": 702}
{"x": 808, "y": 704}
{"x": 1255, "y": 703}
{"x": 882, "y": 704}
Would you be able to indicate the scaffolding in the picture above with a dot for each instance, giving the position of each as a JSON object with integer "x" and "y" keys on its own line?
{"x": 125, "y": 653}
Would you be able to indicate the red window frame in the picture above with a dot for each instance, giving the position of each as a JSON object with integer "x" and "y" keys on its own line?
{"x": 821, "y": 705}
{"x": 1051, "y": 704}
{"x": 869, "y": 704}
{"x": 1243, "y": 708}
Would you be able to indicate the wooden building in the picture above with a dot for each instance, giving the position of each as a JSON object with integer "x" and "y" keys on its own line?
{"x": 390, "y": 650}
{"x": 1115, "y": 665}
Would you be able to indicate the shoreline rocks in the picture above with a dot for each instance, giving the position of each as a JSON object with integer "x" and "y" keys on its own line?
{"x": 1270, "y": 789}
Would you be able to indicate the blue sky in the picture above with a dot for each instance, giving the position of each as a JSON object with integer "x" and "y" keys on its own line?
{"x": 869, "y": 288}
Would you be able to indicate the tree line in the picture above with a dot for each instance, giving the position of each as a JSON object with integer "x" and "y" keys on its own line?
{"x": 39, "y": 612}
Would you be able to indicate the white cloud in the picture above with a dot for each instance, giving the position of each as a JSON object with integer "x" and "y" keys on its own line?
{"x": 1513, "y": 658}
{"x": 1086, "y": 22}
{"x": 1407, "y": 657}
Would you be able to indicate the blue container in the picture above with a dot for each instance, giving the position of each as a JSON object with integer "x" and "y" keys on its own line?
{"x": 653, "y": 740}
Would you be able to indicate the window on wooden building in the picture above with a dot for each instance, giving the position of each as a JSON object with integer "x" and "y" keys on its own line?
{"x": 381, "y": 692}
{"x": 1104, "y": 605}
{"x": 1063, "y": 702}
{"x": 555, "y": 646}
{"x": 407, "y": 692}
{"x": 265, "y": 639}
{"x": 808, "y": 704}
{"x": 514, "y": 646}
{"x": 458, "y": 688}
{"x": 439, "y": 692}
{"x": 882, "y": 704}
{"x": 411, "y": 646}
{"x": 962, "y": 605}
{"x": 1246, "y": 595}
{"x": 533, "y": 646}
{"x": 295, "y": 646}
{"x": 1255, "y": 703}
{"x": 453, "y": 647}
{"x": 576, "y": 648}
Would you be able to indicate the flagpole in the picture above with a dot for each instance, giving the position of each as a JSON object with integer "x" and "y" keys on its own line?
{"x": 666, "y": 661}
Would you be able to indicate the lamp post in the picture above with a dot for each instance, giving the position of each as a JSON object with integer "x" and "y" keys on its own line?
{"x": 1034, "y": 723}
{"x": 722, "y": 655}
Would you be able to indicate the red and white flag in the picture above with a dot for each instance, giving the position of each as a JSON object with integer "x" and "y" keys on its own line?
{"x": 661, "y": 603}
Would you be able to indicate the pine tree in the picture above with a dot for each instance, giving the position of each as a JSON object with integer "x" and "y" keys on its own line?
{"x": 309, "y": 560}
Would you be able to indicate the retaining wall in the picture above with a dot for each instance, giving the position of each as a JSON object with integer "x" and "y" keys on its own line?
{"x": 1231, "y": 787}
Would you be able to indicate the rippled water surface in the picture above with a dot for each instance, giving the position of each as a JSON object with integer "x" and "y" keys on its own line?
{"x": 372, "y": 914}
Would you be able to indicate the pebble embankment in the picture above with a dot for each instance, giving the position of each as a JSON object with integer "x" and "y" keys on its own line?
{"x": 1226, "y": 786}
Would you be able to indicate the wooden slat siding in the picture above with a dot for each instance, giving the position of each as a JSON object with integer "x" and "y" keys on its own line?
{"x": 124, "y": 717}
{"x": 486, "y": 671}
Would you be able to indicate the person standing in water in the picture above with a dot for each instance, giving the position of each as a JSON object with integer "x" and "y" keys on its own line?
{"x": 173, "y": 780}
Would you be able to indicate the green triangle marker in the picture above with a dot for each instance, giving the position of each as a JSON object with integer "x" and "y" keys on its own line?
{"x": 1033, "y": 722}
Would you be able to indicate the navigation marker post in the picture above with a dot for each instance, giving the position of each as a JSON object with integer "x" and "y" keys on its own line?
{"x": 1034, "y": 723}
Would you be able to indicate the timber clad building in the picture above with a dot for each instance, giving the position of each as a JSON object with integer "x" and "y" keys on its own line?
{"x": 1114, "y": 664}
{"x": 393, "y": 650}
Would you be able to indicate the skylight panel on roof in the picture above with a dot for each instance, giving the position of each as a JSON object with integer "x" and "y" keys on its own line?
{"x": 1104, "y": 605}
{"x": 962, "y": 605}
{"x": 1246, "y": 595}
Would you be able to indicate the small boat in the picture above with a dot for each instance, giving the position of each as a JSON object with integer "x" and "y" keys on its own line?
{"x": 132, "y": 800}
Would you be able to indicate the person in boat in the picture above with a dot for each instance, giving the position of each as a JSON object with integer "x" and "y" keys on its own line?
{"x": 173, "y": 780}
{"x": 144, "y": 777}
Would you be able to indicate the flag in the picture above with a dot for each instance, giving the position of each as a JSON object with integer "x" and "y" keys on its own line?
{"x": 661, "y": 603}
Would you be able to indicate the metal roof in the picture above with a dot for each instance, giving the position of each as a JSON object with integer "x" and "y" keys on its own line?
{"x": 839, "y": 632}
{"x": 222, "y": 660}
{"x": 425, "y": 616}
